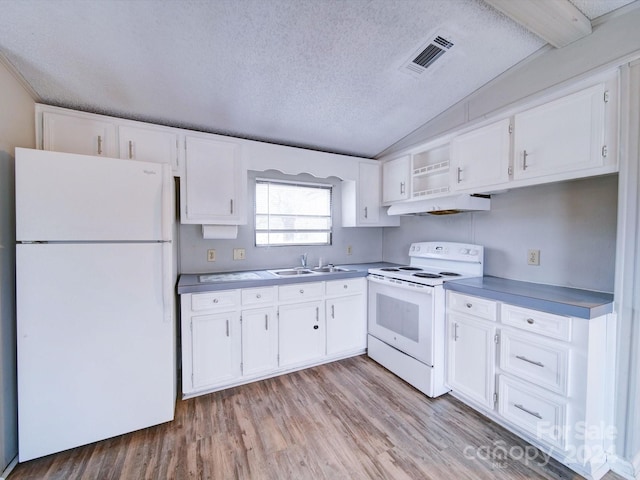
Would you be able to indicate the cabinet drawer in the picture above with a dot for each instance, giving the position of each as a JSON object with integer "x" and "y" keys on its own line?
{"x": 534, "y": 410}
{"x": 345, "y": 287}
{"x": 300, "y": 291}
{"x": 258, "y": 296}
{"x": 222, "y": 300}
{"x": 479, "y": 307}
{"x": 555, "y": 326}
{"x": 543, "y": 363}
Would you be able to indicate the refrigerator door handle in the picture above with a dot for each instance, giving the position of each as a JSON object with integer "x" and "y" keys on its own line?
{"x": 167, "y": 203}
{"x": 167, "y": 281}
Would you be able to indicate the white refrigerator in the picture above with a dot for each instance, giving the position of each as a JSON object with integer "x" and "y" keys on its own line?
{"x": 94, "y": 287}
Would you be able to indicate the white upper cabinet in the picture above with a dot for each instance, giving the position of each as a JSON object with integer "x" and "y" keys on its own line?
{"x": 395, "y": 179}
{"x": 564, "y": 135}
{"x": 214, "y": 184}
{"x": 77, "y": 133}
{"x": 361, "y": 205}
{"x": 150, "y": 144}
{"x": 480, "y": 158}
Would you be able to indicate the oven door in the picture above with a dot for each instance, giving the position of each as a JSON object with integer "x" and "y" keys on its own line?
{"x": 401, "y": 315}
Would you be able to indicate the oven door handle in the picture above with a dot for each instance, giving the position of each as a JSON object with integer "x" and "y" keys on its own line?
{"x": 413, "y": 287}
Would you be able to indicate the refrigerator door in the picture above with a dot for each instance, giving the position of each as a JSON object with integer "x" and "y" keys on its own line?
{"x": 67, "y": 197}
{"x": 95, "y": 344}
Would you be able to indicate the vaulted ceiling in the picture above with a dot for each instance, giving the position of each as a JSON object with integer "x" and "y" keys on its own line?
{"x": 324, "y": 74}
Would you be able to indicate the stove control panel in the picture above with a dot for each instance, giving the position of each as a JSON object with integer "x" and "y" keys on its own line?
{"x": 461, "y": 252}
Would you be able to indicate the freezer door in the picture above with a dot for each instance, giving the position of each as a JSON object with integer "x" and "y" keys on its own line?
{"x": 95, "y": 348}
{"x": 67, "y": 197}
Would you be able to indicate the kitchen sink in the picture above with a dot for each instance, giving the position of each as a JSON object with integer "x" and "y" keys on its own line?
{"x": 291, "y": 272}
{"x": 330, "y": 269}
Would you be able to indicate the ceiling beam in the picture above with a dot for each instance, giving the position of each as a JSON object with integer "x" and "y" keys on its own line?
{"x": 558, "y": 22}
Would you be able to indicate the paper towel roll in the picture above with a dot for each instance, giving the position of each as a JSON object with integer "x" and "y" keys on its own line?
{"x": 219, "y": 231}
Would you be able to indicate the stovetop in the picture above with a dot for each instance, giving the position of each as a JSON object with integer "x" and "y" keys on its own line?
{"x": 433, "y": 263}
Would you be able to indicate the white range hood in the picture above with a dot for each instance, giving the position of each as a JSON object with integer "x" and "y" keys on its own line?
{"x": 442, "y": 206}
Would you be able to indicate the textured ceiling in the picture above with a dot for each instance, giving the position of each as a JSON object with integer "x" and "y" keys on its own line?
{"x": 323, "y": 74}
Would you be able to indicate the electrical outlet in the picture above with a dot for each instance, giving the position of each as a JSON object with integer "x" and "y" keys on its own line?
{"x": 238, "y": 253}
{"x": 211, "y": 255}
{"x": 533, "y": 257}
{"x": 349, "y": 250}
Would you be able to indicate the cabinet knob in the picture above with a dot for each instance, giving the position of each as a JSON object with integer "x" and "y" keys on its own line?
{"x": 469, "y": 305}
{"x": 315, "y": 327}
{"x": 258, "y": 296}
{"x": 530, "y": 321}
{"x": 215, "y": 300}
{"x": 345, "y": 286}
{"x": 301, "y": 291}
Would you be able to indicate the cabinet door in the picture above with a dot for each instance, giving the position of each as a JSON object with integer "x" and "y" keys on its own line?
{"x": 215, "y": 349}
{"x": 346, "y": 324}
{"x": 148, "y": 144}
{"x": 480, "y": 158}
{"x": 77, "y": 134}
{"x": 213, "y": 182}
{"x": 395, "y": 179}
{"x": 259, "y": 341}
{"x": 368, "y": 194}
{"x": 471, "y": 358}
{"x": 561, "y": 136}
{"x": 302, "y": 334}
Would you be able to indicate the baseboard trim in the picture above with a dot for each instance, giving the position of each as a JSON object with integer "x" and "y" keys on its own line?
{"x": 625, "y": 468}
{"x": 9, "y": 468}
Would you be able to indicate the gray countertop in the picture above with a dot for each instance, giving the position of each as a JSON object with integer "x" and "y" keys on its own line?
{"x": 193, "y": 282}
{"x": 572, "y": 302}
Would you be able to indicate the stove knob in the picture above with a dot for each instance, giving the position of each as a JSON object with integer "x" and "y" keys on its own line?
{"x": 413, "y": 248}
{"x": 464, "y": 251}
{"x": 473, "y": 252}
{"x": 418, "y": 248}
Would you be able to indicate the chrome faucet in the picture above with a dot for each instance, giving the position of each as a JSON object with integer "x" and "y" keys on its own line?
{"x": 303, "y": 260}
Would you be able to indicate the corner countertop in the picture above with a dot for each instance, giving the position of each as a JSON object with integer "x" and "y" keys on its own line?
{"x": 191, "y": 282}
{"x": 567, "y": 301}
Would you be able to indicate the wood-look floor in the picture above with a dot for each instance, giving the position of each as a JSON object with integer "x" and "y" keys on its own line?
{"x": 350, "y": 419}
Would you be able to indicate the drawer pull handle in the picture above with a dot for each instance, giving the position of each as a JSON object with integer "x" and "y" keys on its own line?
{"x": 215, "y": 300}
{"x": 227, "y": 328}
{"x": 533, "y": 362}
{"x": 535, "y": 414}
{"x": 130, "y": 150}
{"x": 530, "y": 321}
{"x": 345, "y": 286}
{"x": 455, "y": 332}
{"x": 266, "y": 322}
{"x": 469, "y": 305}
{"x": 99, "y": 144}
{"x": 333, "y": 311}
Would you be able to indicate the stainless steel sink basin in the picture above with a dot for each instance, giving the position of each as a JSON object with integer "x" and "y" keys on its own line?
{"x": 330, "y": 269}
{"x": 291, "y": 272}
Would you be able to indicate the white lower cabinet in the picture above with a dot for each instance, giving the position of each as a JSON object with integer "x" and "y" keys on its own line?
{"x": 545, "y": 381}
{"x": 231, "y": 337}
{"x": 302, "y": 333}
{"x": 471, "y": 358}
{"x": 215, "y": 347}
{"x": 346, "y": 330}
{"x": 259, "y": 341}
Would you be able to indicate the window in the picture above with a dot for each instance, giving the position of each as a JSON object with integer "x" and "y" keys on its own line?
{"x": 290, "y": 213}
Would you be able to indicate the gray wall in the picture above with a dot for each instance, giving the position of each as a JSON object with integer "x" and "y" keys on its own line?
{"x": 573, "y": 224}
{"x": 366, "y": 243}
{"x": 17, "y": 129}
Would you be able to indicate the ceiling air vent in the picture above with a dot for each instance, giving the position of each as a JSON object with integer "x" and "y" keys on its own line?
{"x": 427, "y": 55}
